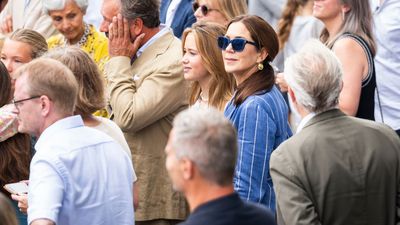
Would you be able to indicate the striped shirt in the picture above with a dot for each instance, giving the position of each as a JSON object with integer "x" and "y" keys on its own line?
{"x": 262, "y": 124}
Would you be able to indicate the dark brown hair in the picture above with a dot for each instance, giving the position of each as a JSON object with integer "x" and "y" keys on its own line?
{"x": 264, "y": 35}
{"x": 15, "y": 154}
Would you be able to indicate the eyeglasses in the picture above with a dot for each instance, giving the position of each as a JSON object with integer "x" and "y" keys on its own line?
{"x": 204, "y": 9}
{"x": 238, "y": 44}
{"x": 17, "y": 102}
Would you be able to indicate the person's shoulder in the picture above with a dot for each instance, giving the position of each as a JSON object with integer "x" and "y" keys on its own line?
{"x": 374, "y": 128}
{"x": 258, "y": 214}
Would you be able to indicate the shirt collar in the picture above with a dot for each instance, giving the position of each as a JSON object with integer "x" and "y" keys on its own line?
{"x": 63, "y": 124}
{"x": 163, "y": 30}
{"x": 304, "y": 121}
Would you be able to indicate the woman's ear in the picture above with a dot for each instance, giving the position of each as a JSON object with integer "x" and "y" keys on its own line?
{"x": 263, "y": 54}
{"x": 345, "y": 8}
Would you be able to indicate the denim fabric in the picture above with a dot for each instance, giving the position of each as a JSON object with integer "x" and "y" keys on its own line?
{"x": 262, "y": 124}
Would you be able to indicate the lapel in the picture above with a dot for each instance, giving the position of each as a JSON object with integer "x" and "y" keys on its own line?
{"x": 324, "y": 116}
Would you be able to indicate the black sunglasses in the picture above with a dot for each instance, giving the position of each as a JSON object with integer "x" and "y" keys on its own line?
{"x": 238, "y": 44}
{"x": 204, "y": 9}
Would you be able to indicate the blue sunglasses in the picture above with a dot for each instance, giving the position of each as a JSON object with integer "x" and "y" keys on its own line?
{"x": 238, "y": 44}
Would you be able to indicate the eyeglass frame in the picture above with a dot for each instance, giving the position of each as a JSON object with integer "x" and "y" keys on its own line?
{"x": 230, "y": 42}
{"x": 16, "y": 102}
{"x": 203, "y": 8}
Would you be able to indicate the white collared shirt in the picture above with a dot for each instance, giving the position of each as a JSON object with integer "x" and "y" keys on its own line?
{"x": 387, "y": 62}
{"x": 163, "y": 30}
{"x": 304, "y": 121}
{"x": 172, "y": 8}
{"x": 80, "y": 176}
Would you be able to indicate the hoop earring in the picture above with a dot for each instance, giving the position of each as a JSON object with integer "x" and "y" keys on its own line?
{"x": 260, "y": 66}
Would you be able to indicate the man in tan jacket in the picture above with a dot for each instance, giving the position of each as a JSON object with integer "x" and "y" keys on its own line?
{"x": 146, "y": 90}
{"x": 337, "y": 169}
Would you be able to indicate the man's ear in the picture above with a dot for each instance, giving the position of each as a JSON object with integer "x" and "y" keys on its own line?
{"x": 136, "y": 26}
{"x": 46, "y": 105}
{"x": 187, "y": 168}
{"x": 292, "y": 96}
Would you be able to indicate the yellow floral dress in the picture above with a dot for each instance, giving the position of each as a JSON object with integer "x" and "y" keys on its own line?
{"x": 96, "y": 45}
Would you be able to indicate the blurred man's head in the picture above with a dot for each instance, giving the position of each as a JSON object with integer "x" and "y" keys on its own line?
{"x": 202, "y": 145}
{"x": 314, "y": 77}
{"x": 45, "y": 91}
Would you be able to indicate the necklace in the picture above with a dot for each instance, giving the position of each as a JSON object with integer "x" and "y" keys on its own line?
{"x": 83, "y": 39}
{"x": 203, "y": 99}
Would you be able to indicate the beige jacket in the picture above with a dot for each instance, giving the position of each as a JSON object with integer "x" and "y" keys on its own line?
{"x": 338, "y": 170}
{"x": 31, "y": 17}
{"x": 144, "y": 99}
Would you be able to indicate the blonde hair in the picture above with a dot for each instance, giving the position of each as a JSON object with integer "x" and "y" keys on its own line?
{"x": 51, "y": 78}
{"x": 221, "y": 84}
{"x": 232, "y": 8}
{"x": 358, "y": 21}
{"x": 91, "y": 94}
{"x": 32, "y": 38}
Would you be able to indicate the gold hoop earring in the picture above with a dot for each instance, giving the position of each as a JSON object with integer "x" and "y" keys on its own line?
{"x": 260, "y": 66}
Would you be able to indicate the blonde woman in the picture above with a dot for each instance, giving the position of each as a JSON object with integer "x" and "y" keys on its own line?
{"x": 219, "y": 11}
{"x": 211, "y": 85}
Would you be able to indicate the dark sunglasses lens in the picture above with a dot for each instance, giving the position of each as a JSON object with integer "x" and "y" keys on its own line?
{"x": 204, "y": 10}
{"x": 238, "y": 44}
{"x": 223, "y": 42}
{"x": 195, "y": 6}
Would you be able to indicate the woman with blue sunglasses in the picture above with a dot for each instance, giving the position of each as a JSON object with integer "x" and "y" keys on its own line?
{"x": 257, "y": 109}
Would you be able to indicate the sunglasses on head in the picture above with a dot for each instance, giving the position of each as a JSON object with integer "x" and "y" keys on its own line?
{"x": 238, "y": 44}
{"x": 204, "y": 9}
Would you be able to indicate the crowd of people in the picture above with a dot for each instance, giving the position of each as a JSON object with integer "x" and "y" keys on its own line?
{"x": 161, "y": 112}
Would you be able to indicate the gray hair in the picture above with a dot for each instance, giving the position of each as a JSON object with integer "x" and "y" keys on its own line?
{"x": 147, "y": 10}
{"x": 49, "y": 5}
{"x": 207, "y": 138}
{"x": 315, "y": 76}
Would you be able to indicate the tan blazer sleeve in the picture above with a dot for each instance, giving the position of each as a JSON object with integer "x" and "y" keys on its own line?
{"x": 293, "y": 204}
{"x": 160, "y": 93}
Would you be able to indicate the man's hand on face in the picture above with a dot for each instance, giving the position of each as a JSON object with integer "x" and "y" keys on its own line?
{"x": 120, "y": 39}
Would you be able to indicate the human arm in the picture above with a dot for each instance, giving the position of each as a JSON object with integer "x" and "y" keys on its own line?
{"x": 8, "y": 123}
{"x": 355, "y": 66}
{"x": 135, "y": 197}
{"x": 293, "y": 205}
{"x": 256, "y": 139}
{"x": 46, "y": 191}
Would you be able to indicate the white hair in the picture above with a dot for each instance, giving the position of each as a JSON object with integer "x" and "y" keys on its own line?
{"x": 208, "y": 139}
{"x": 49, "y": 5}
{"x": 315, "y": 76}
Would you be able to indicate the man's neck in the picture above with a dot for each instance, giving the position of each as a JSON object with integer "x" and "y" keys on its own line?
{"x": 201, "y": 193}
{"x": 150, "y": 32}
